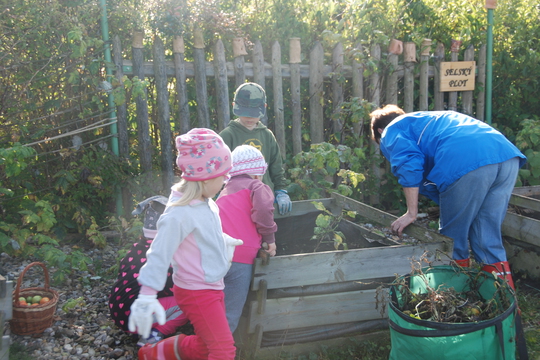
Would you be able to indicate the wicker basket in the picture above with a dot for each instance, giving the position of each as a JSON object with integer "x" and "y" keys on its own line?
{"x": 29, "y": 320}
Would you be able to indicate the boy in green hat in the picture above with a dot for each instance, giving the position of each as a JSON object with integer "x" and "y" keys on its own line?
{"x": 249, "y": 105}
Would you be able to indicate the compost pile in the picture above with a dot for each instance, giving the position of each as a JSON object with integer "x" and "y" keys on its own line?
{"x": 445, "y": 304}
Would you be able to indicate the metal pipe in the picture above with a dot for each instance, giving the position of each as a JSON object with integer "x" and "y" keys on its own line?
{"x": 112, "y": 107}
{"x": 489, "y": 65}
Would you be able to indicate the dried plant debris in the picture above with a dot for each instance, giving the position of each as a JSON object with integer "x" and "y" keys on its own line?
{"x": 445, "y": 304}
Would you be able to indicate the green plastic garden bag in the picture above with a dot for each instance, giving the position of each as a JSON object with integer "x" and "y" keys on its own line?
{"x": 414, "y": 339}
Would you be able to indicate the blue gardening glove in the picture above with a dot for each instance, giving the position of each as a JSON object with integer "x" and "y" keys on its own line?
{"x": 283, "y": 201}
{"x": 142, "y": 314}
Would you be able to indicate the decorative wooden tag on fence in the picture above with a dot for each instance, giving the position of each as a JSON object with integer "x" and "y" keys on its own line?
{"x": 457, "y": 76}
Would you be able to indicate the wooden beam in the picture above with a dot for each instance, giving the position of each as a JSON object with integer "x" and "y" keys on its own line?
{"x": 299, "y": 312}
{"x": 522, "y": 228}
{"x": 385, "y": 219}
{"x": 340, "y": 265}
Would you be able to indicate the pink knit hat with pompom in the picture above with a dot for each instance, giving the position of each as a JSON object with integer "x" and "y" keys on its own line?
{"x": 202, "y": 155}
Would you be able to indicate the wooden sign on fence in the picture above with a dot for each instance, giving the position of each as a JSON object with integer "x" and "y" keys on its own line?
{"x": 457, "y": 76}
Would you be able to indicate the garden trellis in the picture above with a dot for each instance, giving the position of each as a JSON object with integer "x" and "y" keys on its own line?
{"x": 416, "y": 71}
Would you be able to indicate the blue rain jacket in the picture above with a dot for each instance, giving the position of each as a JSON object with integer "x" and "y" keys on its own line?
{"x": 432, "y": 149}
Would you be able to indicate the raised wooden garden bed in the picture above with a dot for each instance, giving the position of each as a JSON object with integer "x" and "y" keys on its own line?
{"x": 299, "y": 301}
{"x": 521, "y": 229}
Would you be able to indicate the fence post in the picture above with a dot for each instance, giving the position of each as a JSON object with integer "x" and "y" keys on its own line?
{"x": 409, "y": 51}
{"x": 391, "y": 95}
{"x": 454, "y": 54}
{"x": 294, "y": 63}
{"x": 222, "y": 86}
{"x": 278, "y": 98}
{"x": 258, "y": 71}
{"x": 200, "y": 78}
{"x": 181, "y": 88}
{"x": 481, "y": 95}
{"x": 316, "y": 81}
{"x": 358, "y": 86}
{"x": 337, "y": 88}
{"x": 163, "y": 113}
{"x": 121, "y": 116}
{"x": 141, "y": 105}
{"x": 424, "y": 74}
{"x": 239, "y": 50}
{"x": 375, "y": 86}
{"x": 121, "y": 110}
{"x": 467, "y": 96}
{"x": 438, "y": 95}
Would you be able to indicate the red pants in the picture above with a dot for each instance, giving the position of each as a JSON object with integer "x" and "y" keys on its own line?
{"x": 206, "y": 311}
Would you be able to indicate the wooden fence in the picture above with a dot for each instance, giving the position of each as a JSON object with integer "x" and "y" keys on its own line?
{"x": 382, "y": 86}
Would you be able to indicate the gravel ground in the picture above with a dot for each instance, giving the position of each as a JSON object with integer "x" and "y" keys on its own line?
{"x": 83, "y": 332}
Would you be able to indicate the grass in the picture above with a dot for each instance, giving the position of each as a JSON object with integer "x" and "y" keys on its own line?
{"x": 18, "y": 351}
{"x": 529, "y": 303}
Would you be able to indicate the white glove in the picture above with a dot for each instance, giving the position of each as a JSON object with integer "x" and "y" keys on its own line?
{"x": 142, "y": 314}
{"x": 283, "y": 201}
{"x": 230, "y": 244}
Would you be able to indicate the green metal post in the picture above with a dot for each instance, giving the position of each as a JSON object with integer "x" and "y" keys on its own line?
{"x": 112, "y": 107}
{"x": 489, "y": 65}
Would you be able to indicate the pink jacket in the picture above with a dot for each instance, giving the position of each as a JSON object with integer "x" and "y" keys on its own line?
{"x": 246, "y": 209}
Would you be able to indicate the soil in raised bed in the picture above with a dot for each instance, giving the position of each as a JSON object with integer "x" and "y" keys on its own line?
{"x": 294, "y": 236}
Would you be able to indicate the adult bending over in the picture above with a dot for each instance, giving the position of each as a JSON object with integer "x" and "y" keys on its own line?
{"x": 464, "y": 165}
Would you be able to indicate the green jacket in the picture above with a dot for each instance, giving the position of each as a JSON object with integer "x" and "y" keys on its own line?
{"x": 262, "y": 138}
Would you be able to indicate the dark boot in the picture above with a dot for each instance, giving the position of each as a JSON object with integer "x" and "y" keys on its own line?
{"x": 502, "y": 270}
{"x": 170, "y": 348}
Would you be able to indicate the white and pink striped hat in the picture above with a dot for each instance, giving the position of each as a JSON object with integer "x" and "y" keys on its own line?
{"x": 247, "y": 160}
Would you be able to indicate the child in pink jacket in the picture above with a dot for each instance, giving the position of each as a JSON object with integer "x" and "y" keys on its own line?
{"x": 247, "y": 213}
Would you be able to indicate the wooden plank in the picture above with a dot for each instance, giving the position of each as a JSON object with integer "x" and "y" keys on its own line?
{"x": 467, "y": 96}
{"x": 525, "y": 201}
{"x": 385, "y": 219}
{"x": 141, "y": 105}
{"x": 121, "y": 110}
{"x": 6, "y": 301}
{"x": 438, "y": 95}
{"x": 316, "y": 95}
{"x": 163, "y": 112}
{"x": 527, "y": 190}
{"x": 258, "y": 65}
{"x": 340, "y": 266}
{"x": 522, "y": 228}
{"x": 181, "y": 86}
{"x": 409, "y": 51}
{"x": 299, "y": 312}
{"x": 337, "y": 88}
{"x": 248, "y": 70}
{"x": 375, "y": 98}
{"x": 374, "y": 78}
{"x": 296, "y": 108}
{"x": 391, "y": 95}
{"x": 239, "y": 51}
{"x": 358, "y": 85}
{"x": 203, "y": 114}
{"x": 222, "y": 87}
{"x": 423, "y": 83}
{"x": 277, "y": 83}
{"x": 453, "y": 95}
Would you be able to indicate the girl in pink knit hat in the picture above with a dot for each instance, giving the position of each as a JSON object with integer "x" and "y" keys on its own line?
{"x": 246, "y": 207}
{"x": 190, "y": 237}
